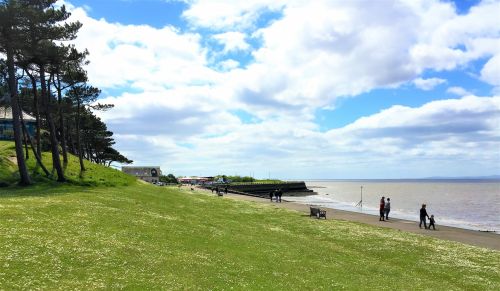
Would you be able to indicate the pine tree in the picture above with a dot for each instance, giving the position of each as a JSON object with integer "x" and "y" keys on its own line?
{"x": 11, "y": 38}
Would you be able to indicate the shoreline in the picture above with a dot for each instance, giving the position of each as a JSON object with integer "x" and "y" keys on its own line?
{"x": 477, "y": 238}
{"x": 343, "y": 206}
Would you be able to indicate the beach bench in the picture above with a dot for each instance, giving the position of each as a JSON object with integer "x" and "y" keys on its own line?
{"x": 317, "y": 212}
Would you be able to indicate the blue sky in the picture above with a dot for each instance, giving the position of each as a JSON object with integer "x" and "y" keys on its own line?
{"x": 324, "y": 89}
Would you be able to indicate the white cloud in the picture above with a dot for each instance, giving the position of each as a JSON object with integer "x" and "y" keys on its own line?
{"x": 428, "y": 84}
{"x": 229, "y": 64}
{"x": 183, "y": 110}
{"x": 458, "y": 91}
{"x": 232, "y": 41}
{"x": 491, "y": 71}
{"x": 141, "y": 56}
{"x": 228, "y": 14}
{"x": 352, "y": 47}
{"x": 396, "y": 141}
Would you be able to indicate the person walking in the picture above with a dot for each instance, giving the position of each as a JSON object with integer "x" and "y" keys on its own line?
{"x": 381, "y": 209}
{"x": 431, "y": 222}
{"x": 280, "y": 193}
{"x": 423, "y": 215}
{"x": 387, "y": 208}
{"x": 271, "y": 194}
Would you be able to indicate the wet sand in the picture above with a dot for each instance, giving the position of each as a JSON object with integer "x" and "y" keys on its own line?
{"x": 471, "y": 237}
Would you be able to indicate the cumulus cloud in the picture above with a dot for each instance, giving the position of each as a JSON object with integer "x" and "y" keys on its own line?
{"x": 428, "y": 84}
{"x": 491, "y": 71}
{"x": 399, "y": 138}
{"x": 140, "y": 56}
{"x": 458, "y": 91}
{"x": 351, "y": 48}
{"x": 228, "y": 14}
{"x": 229, "y": 64}
{"x": 180, "y": 105}
{"x": 232, "y": 41}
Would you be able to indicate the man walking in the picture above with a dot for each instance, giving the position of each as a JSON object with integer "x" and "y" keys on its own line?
{"x": 423, "y": 215}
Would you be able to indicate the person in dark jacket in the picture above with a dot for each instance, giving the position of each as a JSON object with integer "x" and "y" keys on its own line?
{"x": 271, "y": 194}
{"x": 381, "y": 208}
{"x": 423, "y": 216}
{"x": 431, "y": 222}
{"x": 280, "y": 193}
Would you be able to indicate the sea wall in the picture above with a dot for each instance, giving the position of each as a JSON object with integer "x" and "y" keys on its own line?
{"x": 288, "y": 188}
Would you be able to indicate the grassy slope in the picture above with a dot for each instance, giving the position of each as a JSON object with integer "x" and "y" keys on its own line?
{"x": 141, "y": 236}
{"x": 94, "y": 176}
{"x": 7, "y": 168}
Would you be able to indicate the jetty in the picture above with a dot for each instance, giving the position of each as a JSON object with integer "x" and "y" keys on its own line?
{"x": 262, "y": 189}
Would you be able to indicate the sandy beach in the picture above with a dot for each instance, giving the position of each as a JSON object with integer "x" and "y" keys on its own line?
{"x": 471, "y": 237}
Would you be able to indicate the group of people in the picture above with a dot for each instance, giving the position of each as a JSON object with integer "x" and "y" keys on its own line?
{"x": 276, "y": 193}
{"x": 219, "y": 191}
{"x": 385, "y": 208}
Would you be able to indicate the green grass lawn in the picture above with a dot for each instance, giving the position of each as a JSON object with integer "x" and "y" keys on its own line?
{"x": 70, "y": 236}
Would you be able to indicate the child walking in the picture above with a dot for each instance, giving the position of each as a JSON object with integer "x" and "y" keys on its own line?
{"x": 431, "y": 222}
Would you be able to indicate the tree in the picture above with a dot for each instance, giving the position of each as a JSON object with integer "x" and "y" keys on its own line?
{"x": 46, "y": 24}
{"x": 11, "y": 38}
{"x": 81, "y": 95}
{"x": 170, "y": 178}
{"x": 66, "y": 71}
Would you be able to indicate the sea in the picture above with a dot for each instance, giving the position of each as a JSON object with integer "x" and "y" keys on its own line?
{"x": 470, "y": 204}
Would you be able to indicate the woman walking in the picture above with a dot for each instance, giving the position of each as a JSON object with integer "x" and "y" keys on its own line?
{"x": 382, "y": 206}
{"x": 387, "y": 208}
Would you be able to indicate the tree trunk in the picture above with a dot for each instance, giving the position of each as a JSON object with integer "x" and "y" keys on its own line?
{"x": 54, "y": 144}
{"x": 78, "y": 139}
{"x": 37, "y": 157}
{"x": 62, "y": 129}
{"x": 25, "y": 134}
{"x": 16, "y": 122}
{"x": 36, "y": 105}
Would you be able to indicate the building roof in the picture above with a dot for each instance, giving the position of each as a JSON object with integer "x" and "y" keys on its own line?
{"x": 6, "y": 113}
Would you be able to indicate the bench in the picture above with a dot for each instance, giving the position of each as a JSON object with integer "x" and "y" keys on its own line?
{"x": 317, "y": 212}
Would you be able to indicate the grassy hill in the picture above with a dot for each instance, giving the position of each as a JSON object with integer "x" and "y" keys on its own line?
{"x": 95, "y": 175}
{"x": 135, "y": 236}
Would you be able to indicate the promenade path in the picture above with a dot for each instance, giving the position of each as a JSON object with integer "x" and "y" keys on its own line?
{"x": 471, "y": 237}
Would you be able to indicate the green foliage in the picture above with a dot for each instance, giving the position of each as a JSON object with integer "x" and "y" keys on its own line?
{"x": 7, "y": 168}
{"x": 144, "y": 237}
{"x": 234, "y": 178}
{"x": 170, "y": 179}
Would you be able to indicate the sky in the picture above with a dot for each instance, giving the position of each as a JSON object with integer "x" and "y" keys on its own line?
{"x": 299, "y": 89}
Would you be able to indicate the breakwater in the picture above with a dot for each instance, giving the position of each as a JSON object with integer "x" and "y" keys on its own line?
{"x": 298, "y": 188}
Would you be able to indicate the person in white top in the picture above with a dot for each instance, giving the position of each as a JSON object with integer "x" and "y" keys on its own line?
{"x": 387, "y": 208}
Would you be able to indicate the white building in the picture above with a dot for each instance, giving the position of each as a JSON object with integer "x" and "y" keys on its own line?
{"x": 150, "y": 174}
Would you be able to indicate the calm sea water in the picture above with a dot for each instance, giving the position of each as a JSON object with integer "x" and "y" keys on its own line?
{"x": 471, "y": 204}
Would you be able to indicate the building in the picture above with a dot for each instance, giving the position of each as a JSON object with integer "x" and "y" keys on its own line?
{"x": 150, "y": 174}
{"x": 6, "y": 126}
{"x": 196, "y": 180}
